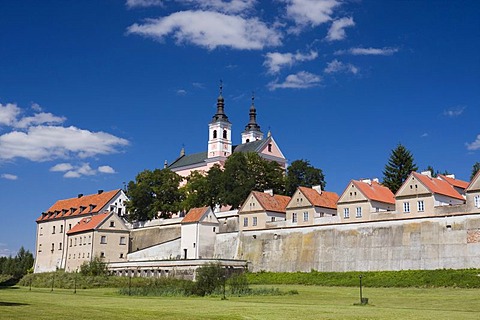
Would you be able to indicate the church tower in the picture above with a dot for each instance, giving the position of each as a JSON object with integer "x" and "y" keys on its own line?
{"x": 252, "y": 130}
{"x": 220, "y": 131}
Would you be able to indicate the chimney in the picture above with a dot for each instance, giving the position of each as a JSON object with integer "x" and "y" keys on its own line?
{"x": 165, "y": 164}
{"x": 452, "y": 176}
{"x": 80, "y": 195}
{"x": 376, "y": 180}
{"x": 427, "y": 173}
{"x": 269, "y": 191}
{"x": 100, "y": 191}
{"x": 317, "y": 188}
{"x": 367, "y": 181}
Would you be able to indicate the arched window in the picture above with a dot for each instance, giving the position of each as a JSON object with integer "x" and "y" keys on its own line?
{"x": 269, "y": 147}
{"x": 214, "y": 134}
{"x": 224, "y": 134}
{"x": 248, "y": 140}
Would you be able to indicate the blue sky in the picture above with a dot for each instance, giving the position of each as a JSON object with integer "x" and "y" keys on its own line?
{"x": 92, "y": 92}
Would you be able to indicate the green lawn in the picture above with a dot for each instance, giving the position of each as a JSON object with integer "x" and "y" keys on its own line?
{"x": 312, "y": 302}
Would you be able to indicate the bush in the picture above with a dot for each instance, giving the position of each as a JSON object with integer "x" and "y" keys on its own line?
{"x": 96, "y": 267}
{"x": 209, "y": 278}
{"x": 239, "y": 284}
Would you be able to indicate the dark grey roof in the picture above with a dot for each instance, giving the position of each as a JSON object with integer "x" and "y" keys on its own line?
{"x": 253, "y": 146}
{"x": 188, "y": 160}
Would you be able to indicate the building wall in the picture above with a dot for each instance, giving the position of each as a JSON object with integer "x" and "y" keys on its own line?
{"x": 79, "y": 250}
{"x": 426, "y": 243}
{"x": 146, "y": 237}
{"x": 428, "y": 203}
{"x": 165, "y": 251}
{"x": 207, "y": 236}
{"x": 190, "y": 240}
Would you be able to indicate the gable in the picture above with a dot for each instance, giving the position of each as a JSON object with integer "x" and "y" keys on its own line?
{"x": 271, "y": 149}
{"x": 352, "y": 194}
{"x": 112, "y": 223}
{"x": 475, "y": 183}
{"x": 411, "y": 187}
{"x": 298, "y": 200}
{"x": 251, "y": 204}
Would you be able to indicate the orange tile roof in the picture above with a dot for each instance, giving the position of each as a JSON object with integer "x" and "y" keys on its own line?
{"x": 375, "y": 191}
{"x": 438, "y": 186}
{"x": 195, "y": 214}
{"x": 326, "y": 199}
{"x": 73, "y": 206}
{"x": 90, "y": 223}
{"x": 455, "y": 182}
{"x": 276, "y": 203}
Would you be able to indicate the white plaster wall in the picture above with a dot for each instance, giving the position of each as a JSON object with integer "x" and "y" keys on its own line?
{"x": 165, "y": 251}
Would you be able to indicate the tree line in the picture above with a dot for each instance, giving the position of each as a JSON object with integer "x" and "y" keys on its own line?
{"x": 17, "y": 266}
{"x": 158, "y": 193}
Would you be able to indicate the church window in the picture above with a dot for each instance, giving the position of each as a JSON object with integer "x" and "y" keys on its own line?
{"x": 214, "y": 134}
{"x": 224, "y": 134}
{"x": 477, "y": 201}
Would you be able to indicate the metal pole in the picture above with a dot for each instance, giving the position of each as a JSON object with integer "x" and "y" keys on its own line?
{"x": 75, "y": 283}
{"x": 53, "y": 282}
{"x": 224, "y": 278}
{"x": 129, "y": 284}
{"x": 361, "y": 298}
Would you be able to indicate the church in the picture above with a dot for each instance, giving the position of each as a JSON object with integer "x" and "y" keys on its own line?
{"x": 220, "y": 145}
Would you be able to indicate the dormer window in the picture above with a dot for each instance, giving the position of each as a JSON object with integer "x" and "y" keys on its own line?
{"x": 72, "y": 210}
{"x": 92, "y": 206}
{"x": 64, "y": 211}
{"x": 82, "y": 208}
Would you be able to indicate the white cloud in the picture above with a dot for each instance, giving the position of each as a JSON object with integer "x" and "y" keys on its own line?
{"x": 5, "y": 251}
{"x": 9, "y": 176}
{"x": 143, "y": 3}
{"x": 181, "y": 92}
{"x": 210, "y": 30}
{"x": 475, "y": 145}
{"x": 106, "y": 169}
{"x": 336, "y": 66}
{"x": 386, "y": 51}
{"x": 44, "y": 143}
{"x": 9, "y": 114}
{"x": 61, "y": 167}
{"x": 310, "y": 12}
{"x": 72, "y": 174}
{"x": 232, "y": 6}
{"x": 454, "y": 111}
{"x": 36, "y": 107}
{"x": 274, "y": 61}
{"x": 337, "y": 29}
{"x": 424, "y": 135}
{"x": 39, "y": 118}
{"x": 299, "y": 80}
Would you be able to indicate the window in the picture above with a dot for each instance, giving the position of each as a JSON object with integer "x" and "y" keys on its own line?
{"x": 420, "y": 206}
{"x": 53, "y": 231}
{"x": 273, "y": 219}
{"x": 359, "y": 212}
{"x": 41, "y": 231}
{"x": 59, "y": 246}
{"x": 61, "y": 228}
{"x": 214, "y": 229}
{"x": 305, "y": 216}
{"x": 75, "y": 242}
{"x": 247, "y": 141}
{"x": 69, "y": 226}
{"x": 53, "y": 246}
{"x": 121, "y": 255}
{"x": 103, "y": 239}
{"x": 80, "y": 243}
{"x": 254, "y": 221}
{"x": 294, "y": 217}
{"x": 40, "y": 247}
{"x": 245, "y": 222}
{"x": 269, "y": 147}
{"x": 224, "y": 134}
{"x": 102, "y": 254}
{"x": 89, "y": 239}
{"x": 214, "y": 134}
{"x": 476, "y": 201}
{"x": 70, "y": 242}
{"x": 406, "y": 207}
{"x": 123, "y": 241}
{"x": 112, "y": 224}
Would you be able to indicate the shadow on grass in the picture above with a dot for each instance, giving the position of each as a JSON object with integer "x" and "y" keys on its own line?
{"x": 12, "y": 304}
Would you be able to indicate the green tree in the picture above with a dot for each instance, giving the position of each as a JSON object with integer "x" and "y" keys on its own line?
{"x": 17, "y": 266}
{"x": 302, "y": 173}
{"x": 209, "y": 278}
{"x": 196, "y": 191}
{"x": 215, "y": 186}
{"x": 245, "y": 172}
{"x": 96, "y": 267}
{"x": 154, "y": 193}
{"x": 399, "y": 166}
{"x": 475, "y": 169}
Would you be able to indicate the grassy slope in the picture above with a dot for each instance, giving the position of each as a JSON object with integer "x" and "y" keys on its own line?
{"x": 312, "y": 302}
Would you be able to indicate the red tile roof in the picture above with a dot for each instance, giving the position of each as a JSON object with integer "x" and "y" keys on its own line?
{"x": 276, "y": 203}
{"x": 78, "y": 206}
{"x": 375, "y": 191}
{"x": 90, "y": 223}
{"x": 326, "y": 199}
{"x": 438, "y": 186}
{"x": 455, "y": 182}
{"x": 195, "y": 214}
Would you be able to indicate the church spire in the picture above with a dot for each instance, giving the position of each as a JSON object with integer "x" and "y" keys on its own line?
{"x": 220, "y": 115}
{"x": 252, "y": 130}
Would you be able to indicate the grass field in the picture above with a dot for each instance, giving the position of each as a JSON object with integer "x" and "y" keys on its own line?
{"x": 312, "y": 302}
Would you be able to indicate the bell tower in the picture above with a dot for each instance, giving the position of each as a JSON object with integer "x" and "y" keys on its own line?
{"x": 252, "y": 130}
{"x": 220, "y": 131}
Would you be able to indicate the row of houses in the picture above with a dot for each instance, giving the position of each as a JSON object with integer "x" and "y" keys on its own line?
{"x": 75, "y": 230}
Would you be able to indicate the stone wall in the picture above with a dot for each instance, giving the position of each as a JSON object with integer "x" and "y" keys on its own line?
{"x": 147, "y": 237}
{"x": 426, "y": 243}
